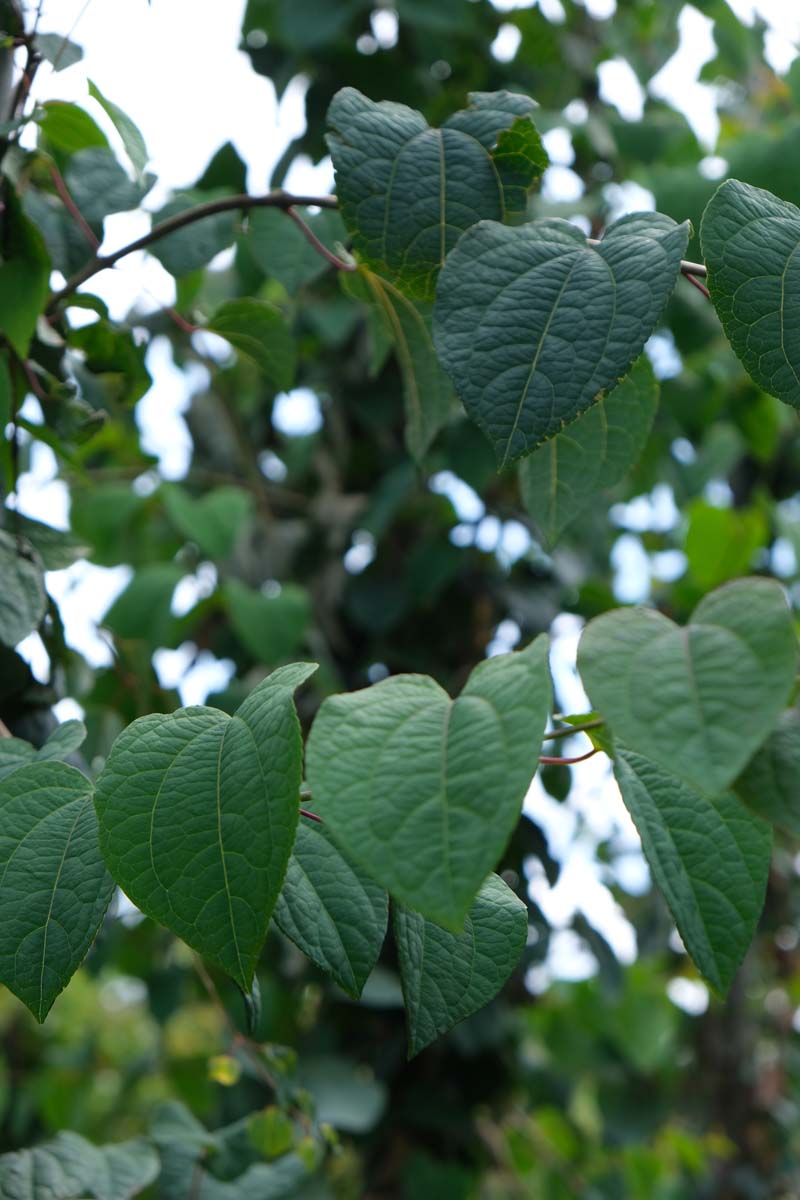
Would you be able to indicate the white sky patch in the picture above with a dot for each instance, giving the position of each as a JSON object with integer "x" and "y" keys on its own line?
{"x": 68, "y": 710}
{"x": 297, "y": 413}
{"x": 191, "y": 589}
{"x": 561, "y": 184}
{"x": 506, "y": 44}
{"x": 620, "y": 86}
{"x": 384, "y": 25}
{"x": 193, "y": 675}
{"x": 691, "y": 995}
{"x": 677, "y": 82}
{"x": 84, "y": 593}
{"x": 464, "y": 499}
{"x": 159, "y": 413}
{"x": 39, "y": 493}
{"x": 627, "y": 197}
{"x": 32, "y": 650}
{"x": 631, "y": 570}
{"x": 558, "y": 144}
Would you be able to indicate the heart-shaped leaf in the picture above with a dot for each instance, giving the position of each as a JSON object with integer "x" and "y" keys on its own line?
{"x": 710, "y": 857}
{"x": 407, "y": 191}
{"x": 533, "y": 324}
{"x": 198, "y": 812}
{"x": 697, "y": 700}
{"x": 446, "y": 976}
{"x": 69, "y": 1166}
{"x": 423, "y": 791}
{"x": 54, "y": 887}
{"x": 331, "y": 910}
{"x": 560, "y": 479}
{"x": 271, "y": 627}
{"x": 770, "y": 783}
{"x": 750, "y": 240}
{"x": 214, "y": 520}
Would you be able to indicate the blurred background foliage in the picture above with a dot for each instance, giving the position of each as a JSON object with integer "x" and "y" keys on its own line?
{"x": 330, "y": 543}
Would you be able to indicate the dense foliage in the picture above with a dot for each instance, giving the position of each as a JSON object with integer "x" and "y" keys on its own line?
{"x": 338, "y": 838}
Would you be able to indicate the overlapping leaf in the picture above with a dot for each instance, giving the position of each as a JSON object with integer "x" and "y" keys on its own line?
{"x": 750, "y": 240}
{"x": 198, "y": 812}
{"x": 258, "y": 330}
{"x": 271, "y": 627}
{"x": 534, "y": 325}
{"x": 407, "y": 191}
{"x": 54, "y": 887}
{"x": 770, "y": 783}
{"x": 710, "y": 856}
{"x": 332, "y": 910}
{"x": 213, "y": 520}
{"x": 698, "y": 700}
{"x": 560, "y": 479}
{"x": 422, "y": 791}
{"x": 446, "y": 976}
{"x": 69, "y": 1167}
{"x": 22, "y": 595}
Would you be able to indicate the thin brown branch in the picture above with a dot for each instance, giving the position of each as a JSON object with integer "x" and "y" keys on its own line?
{"x": 701, "y": 287}
{"x": 101, "y": 262}
{"x": 312, "y": 816}
{"x": 72, "y": 208}
{"x": 552, "y": 734}
{"x": 320, "y": 247}
{"x": 555, "y": 761}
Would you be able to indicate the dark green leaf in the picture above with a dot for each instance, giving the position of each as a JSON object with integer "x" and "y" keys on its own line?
{"x": 534, "y": 325}
{"x": 272, "y": 627}
{"x": 770, "y": 783}
{"x": 195, "y": 245}
{"x": 99, "y": 186}
{"x": 22, "y": 595}
{"x": 710, "y": 857}
{"x": 282, "y": 252}
{"x": 68, "y": 128}
{"x": 69, "y": 1168}
{"x": 54, "y": 888}
{"x": 331, "y": 910}
{"x": 198, "y": 812}
{"x": 24, "y": 276}
{"x": 57, "y": 548}
{"x": 446, "y": 976}
{"x": 214, "y": 521}
{"x": 142, "y": 610}
{"x": 259, "y": 331}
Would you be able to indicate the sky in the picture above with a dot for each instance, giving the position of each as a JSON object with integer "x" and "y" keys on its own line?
{"x": 175, "y": 67}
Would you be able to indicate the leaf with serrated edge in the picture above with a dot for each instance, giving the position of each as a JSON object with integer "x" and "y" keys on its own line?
{"x": 698, "y": 700}
{"x": 54, "y": 887}
{"x": 560, "y": 479}
{"x": 710, "y": 857}
{"x": 447, "y": 976}
{"x": 331, "y": 910}
{"x": 407, "y": 191}
{"x": 750, "y": 240}
{"x": 770, "y": 783}
{"x": 533, "y": 324}
{"x": 198, "y": 812}
{"x": 423, "y": 791}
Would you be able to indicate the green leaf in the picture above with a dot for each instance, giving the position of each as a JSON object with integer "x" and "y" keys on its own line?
{"x": 259, "y": 331}
{"x": 57, "y": 548}
{"x": 99, "y": 186}
{"x": 750, "y": 240}
{"x": 427, "y": 391}
{"x": 271, "y": 627}
{"x": 406, "y": 191}
{"x": 195, "y": 245}
{"x": 721, "y": 543}
{"x": 67, "y": 128}
{"x": 770, "y": 783}
{"x": 517, "y": 152}
{"x": 709, "y": 855}
{"x": 22, "y": 596}
{"x": 69, "y": 1167}
{"x": 129, "y": 132}
{"x": 560, "y": 479}
{"x": 198, "y": 812}
{"x": 54, "y": 887}
{"x": 214, "y": 521}
{"x": 447, "y": 976}
{"x": 58, "y": 50}
{"x": 24, "y": 276}
{"x": 63, "y": 741}
{"x": 332, "y": 911}
{"x": 424, "y": 792}
{"x": 14, "y": 753}
{"x": 142, "y": 610}
{"x": 282, "y": 252}
{"x": 699, "y": 700}
{"x": 534, "y": 325}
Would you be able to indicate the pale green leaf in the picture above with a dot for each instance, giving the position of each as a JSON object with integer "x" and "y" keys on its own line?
{"x": 71, "y": 1168}
{"x": 258, "y": 330}
{"x": 58, "y": 50}
{"x": 698, "y": 700}
{"x": 534, "y": 325}
{"x": 22, "y": 595}
{"x": 54, "y": 887}
{"x": 750, "y": 240}
{"x": 332, "y": 910}
{"x": 423, "y": 792}
{"x": 272, "y": 627}
{"x": 447, "y": 976}
{"x": 562, "y": 477}
{"x": 770, "y": 783}
{"x": 129, "y": 132}
{"x": 407, "y": 191}
{"x": 710, "y": 857}
{"x": 198, "y": 812}
{"x": 196, "y": 244}
{"x": 214, "y": 520}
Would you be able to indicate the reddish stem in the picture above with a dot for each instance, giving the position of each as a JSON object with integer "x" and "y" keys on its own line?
{"x": 304, "y": 812}
{"x": 553, "y": 760}
{"x": 72, "y": 208}
{"x": 701, "y": 287}
{"x": 320, "y": 247}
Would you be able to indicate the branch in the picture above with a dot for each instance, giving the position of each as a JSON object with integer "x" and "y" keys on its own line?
{"x": 552, "y": 734}
{"x": 556, "y": 761}
{"x": 320, "y": 247}
{"x": 101, "y": 262}
{"x": 72, "y": 208}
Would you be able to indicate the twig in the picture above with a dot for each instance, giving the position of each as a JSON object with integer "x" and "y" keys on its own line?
{"x": 304, "y": 812}
{"x": 320, "y": 247}
{"x": 555, "y": 761}
{"x": 701, "y": 287}
{"x": 5, "y": 732}
{"x": 72, "y": 208}
{"x": 552, "y": 734}
{"x": 101, "y": 262}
